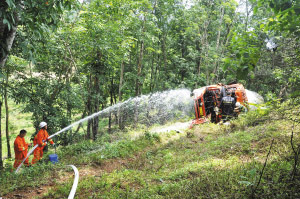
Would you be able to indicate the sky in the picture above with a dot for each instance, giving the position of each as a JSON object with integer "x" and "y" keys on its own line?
{"x": 241, "y": 6}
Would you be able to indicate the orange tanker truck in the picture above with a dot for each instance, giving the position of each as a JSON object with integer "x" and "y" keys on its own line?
{"x": 207, "y": 101}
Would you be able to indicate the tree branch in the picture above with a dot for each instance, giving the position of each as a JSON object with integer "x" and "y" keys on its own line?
{"x": 292, "y": 144}
{"x": 262, "y": 171}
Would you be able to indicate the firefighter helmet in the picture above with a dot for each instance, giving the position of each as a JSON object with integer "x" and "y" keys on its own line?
{"x": 43, "y": 124}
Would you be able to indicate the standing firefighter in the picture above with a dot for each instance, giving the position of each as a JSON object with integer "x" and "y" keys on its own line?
{"x": 227, "y": 106}
{"x": 41, "y": 138}
{"x": 21, "y": 148}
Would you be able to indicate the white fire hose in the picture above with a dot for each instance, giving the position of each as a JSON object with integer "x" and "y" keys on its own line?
{"x": 72, "y": 193}
{"x": 76, "y": 178}
{"x": 75, "y": 183}
{"x": 61, "y": 131}
{"x": 28, "y": 154}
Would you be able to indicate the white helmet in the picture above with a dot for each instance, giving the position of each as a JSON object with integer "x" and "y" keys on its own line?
{"x": 238, "y": 104}
{"x": 43, "y": 124}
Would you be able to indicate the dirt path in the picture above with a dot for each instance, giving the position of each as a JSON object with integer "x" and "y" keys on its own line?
{"x": 106, "y": 166}
{"x": 35, "y": 192}
{"x": 29, "y": 193}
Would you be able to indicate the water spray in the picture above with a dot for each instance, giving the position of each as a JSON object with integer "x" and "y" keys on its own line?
{"x": 153, "y": 108}
{"x": 150, "y": 109}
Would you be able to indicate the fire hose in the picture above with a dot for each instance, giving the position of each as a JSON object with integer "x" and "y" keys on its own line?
{"x": 75, "y": 183}
{"x": 59, "y": 132}
{"x": 72, "y": 193}
{"x": 76, "y": 178}
{"x": 73, "y": 190}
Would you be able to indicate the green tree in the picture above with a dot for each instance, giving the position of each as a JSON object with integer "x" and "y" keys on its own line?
{"x": 35, "y": 17}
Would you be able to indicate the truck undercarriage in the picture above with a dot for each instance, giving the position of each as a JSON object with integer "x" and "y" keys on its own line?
{"x": 207, "y": 101}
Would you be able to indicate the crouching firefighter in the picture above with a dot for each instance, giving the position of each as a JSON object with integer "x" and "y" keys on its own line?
{"x": 227, "y": 106}
{"x": 41, "y": 138}
{"x": 239, "y": 108}
{"x": 21, "y": 148}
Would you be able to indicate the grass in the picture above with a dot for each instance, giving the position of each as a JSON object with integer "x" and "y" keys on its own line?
{"x": 46, "y": 172}
{"x": 208, "y": 161}
{"x": 17, "y": 121}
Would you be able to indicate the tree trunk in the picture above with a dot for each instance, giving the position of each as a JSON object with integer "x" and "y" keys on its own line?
{"x": 96, "y": 107}
{"x": 206, "y": 52}
{"x": 198, "y": 61}
{"x": 88, "y": 130}
{"x": 1, "y": 161}
{"x": 69, "y": 105}
{"x": 89, "y": 108}
{"x": 167, "y": 75}
{"x": 218, "y": 44}
{"x": 247, "y": 16}
{"x": 120, "y": 96}
{"x": 139, "y": 70}
{"x": 157, "y": 72}
{"x": 8, "y": 42}
{"x": 138, "y": 83}
{"x": 140, "y": 62}
{"x": 95, "y": 124}
{"x": 151, "y": 74}
{"x": 83, "y": 116}
{"x": 7, "y": 119}
{"x": 111, "y": 102}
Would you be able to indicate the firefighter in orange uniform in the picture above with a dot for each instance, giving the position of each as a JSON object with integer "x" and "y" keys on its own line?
{"x": 41, "y": 138}
{"x": 21, "y": 147}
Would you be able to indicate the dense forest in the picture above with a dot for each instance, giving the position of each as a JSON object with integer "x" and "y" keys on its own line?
{"x": 62, "y": 60}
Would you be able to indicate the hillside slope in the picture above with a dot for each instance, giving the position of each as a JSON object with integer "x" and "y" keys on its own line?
{"x": 208, "y": 161}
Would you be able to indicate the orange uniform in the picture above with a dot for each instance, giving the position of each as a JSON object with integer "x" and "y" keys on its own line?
{"x": 20, "y": 147}
{"x": 40, "y": 139}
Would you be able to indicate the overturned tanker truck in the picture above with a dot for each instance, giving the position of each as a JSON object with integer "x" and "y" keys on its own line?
{"x": 207, "y": 101}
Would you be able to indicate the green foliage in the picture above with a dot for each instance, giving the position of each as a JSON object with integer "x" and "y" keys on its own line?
{"x": 244, "y": 55}
{"x": 253, "y": 118}
{"x": 175, "y": 165}
{"x": 286, "y": 17}
{"x": 66, "y": 63}
{"x": 34, "y": 15}
{"x": 151, "y": 136}
{"x": 218, "y": 161}
{"x": 36, "y": 18}
{"x": 106, "y": 148}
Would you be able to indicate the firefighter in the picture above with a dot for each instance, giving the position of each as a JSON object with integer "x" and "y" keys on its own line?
{"x": 239, "y": 108}
{"x": 41, "y": 138}
{"x": 21, "y": 148}
{"x": 227, "y": 106}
